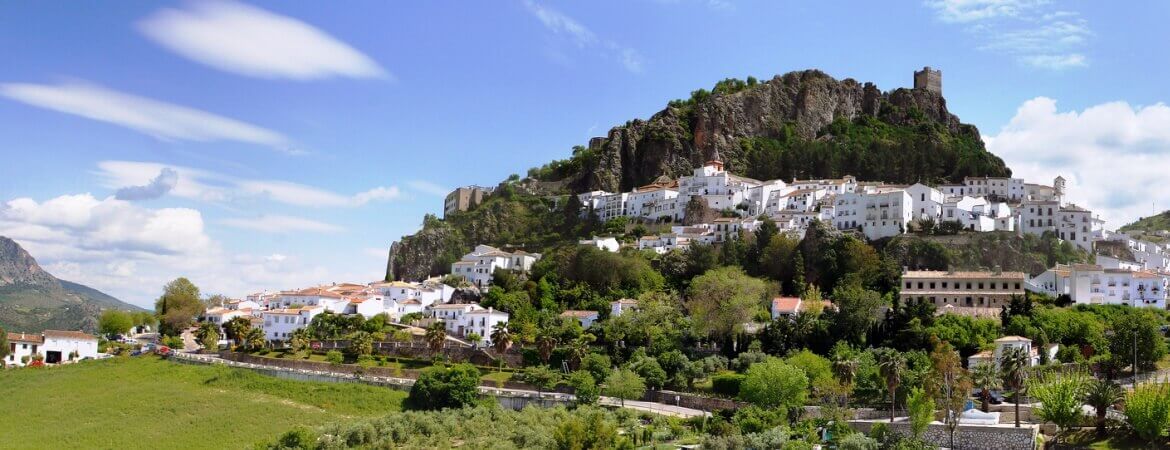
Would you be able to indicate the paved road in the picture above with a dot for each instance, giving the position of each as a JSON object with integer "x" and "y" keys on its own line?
{"x": 652, "y": 407}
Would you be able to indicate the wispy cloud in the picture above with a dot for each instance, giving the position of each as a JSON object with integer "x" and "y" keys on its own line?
{"x": 162, "y": 120}
{"x": 157, "y": 187}
{"x": 278, "y": 224}
{"x": 581, "y": 36}
{"x": 428, "y": 187}
{"x": 1028, "y": 30}
{"x": 247, "y": 40}
{"x": 211, "y": 187}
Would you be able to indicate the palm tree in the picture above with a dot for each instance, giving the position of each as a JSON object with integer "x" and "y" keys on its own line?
{"x": 579, "y": 348}
{"x": 436, "y": 336}
{"x": 891, "y": 364}
{"x": 300, "y": 340}
{"x": 1013, "y": 365}
{"x": 846, "y": 370}
{"x": 545, "y": 344}
{"x": 501, "y": 337}
{"x": 986, "y": 377}
{"x": 1101, "y": 395}
{"x": 254, "y": 339}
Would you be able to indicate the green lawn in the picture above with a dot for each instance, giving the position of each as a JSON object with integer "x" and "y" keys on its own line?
{"x": 145, "y": 402}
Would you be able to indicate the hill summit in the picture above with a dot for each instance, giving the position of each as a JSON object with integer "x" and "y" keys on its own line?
{"x": 32, "y": 299}
{"x": 800, "y": 125}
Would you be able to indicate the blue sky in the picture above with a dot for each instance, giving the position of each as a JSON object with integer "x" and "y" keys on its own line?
{"x": 273, "y": 145}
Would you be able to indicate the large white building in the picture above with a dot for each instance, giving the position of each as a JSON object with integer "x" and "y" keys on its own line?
{"x": 279, "y": 324}
{"x": 478, "y": 266}
{"x": 1096, "y": 285}
{"x": 54, "y": 346}
{"x": 465, "y": 319}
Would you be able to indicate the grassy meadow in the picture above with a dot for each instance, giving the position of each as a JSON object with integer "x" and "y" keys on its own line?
{"x": 146, "y": 402}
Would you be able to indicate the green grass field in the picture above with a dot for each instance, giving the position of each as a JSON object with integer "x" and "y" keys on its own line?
{"x": 150, "y": 403}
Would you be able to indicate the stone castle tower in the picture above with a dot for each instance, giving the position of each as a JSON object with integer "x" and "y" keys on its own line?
{"x": 928, "y": 79}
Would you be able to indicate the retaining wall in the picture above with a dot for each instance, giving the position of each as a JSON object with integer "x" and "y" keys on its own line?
{"x": 967, "y": 437}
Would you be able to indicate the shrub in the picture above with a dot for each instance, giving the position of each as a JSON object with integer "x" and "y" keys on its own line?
{"x": 727, "y": 384}
{"x": 439, "y": 387}
{"x": 1147, "y": 410}
{"x": 334, "y": 357}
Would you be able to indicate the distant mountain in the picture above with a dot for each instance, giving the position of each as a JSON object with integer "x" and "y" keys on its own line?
{"x": 32, "y": 299}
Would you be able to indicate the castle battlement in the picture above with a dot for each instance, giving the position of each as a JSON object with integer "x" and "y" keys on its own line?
{"x": 928, "y": 79}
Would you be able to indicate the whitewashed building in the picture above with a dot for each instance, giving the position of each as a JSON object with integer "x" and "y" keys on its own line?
{"x": 479, "y": 265}
{"x": 279, "y": 324}
{"x": 609, "y": 244}
{"x": 54, "y": 346}
{"x": 1095, "y": 285}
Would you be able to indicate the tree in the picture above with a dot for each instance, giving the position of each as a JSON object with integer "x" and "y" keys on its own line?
{"x": 436, "y": 336}
{"x": 501, "y": 337}
{"x": 361, "y": 343}
{"x": 584, "y": 387}
{"x": 208, "y": 336}
{"x": 1102, "y": 395}
{"x": 546, "y": 342}
{"x": 237, "y": 329}
{"x": 772, "y": 383}
{"x": 891, "y": 365}
{"x": 845, "y": 369}
{"x": 579, "y": 348}
{"x": 949, "y": 385}
{"x": 299, "y": 341}
{"x": 4, "y": 349}
{"x": 624, "y": 384}
{"x": 254, "y": 339}
{"x": 722, "y": 300}
{"x": 856, "y": 313}
{"x": 986, "y": 377}
{"x": 590, "y": 430}
{"x": 475, "y": 339}
{"x": 1060, "y": 395}
{"x": 542, "y": 377}
{"x": 1147, "y": 410}
{"x": 1140, "y": 328}
{"x": 597, "y": 365}
{"x": 178, "y": 306}
{"x": 1013, "y": 365}
{"x": 920, "y": 408}
{"x": 440, "y": 387}
{"x": 114, "y": 321}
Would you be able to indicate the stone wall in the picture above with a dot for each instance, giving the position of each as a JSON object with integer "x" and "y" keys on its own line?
{"x": 967, "y": 437}
{"x": 692, "y": 401}
{"x": 418, "y": 350}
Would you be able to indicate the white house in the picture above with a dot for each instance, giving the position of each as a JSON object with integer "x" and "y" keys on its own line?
{"x": 1006, "y": 342}
{"x": 482, "y": 321}
{"x": 56, "y": 347}
{"x": 479, "y": 265}
{"x": 608, "y": 244}
{"x": 279, "y": 324}
{"x": 315, "y": 296}
{"x": 452, "y": 315}
{"x": 585, "y": 318}
{"x": 618, "y": 307}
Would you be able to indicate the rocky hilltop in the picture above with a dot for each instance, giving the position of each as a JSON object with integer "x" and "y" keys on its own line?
{"x": 803, "y": 124}
{"x": 794, "y": 108}
{"x": 32, "y": 299}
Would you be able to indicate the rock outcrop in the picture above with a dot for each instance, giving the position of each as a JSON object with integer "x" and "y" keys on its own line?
{"x": 683, "y": 136}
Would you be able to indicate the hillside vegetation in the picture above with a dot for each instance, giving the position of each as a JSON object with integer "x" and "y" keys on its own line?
{"x": 1155, "y": 228}
{"x": 148, "y": 403}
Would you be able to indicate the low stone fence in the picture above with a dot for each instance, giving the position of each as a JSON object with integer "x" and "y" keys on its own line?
{"x": 692, "y": 401}
{"x": 967, "y": 437}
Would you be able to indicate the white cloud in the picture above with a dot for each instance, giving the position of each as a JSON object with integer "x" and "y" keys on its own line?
{"x": 162, "y": 120}
{"x": 130, "y": 251}
{"x": 1113, "y": 154}
{"x": 963, "y": 11}
{"x": 279, "y": 224}
{"x": 213, "y": 187}
{"x": 428, "y": 187}
{"x": 1027, "y": 30}
{"x": 243, "y": 39}
{"x": 561, "y": 24}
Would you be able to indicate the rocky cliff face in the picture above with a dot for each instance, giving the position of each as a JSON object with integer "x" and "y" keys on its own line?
{"x": 682, "y": 137}
{"x": 18, "y": 267}
{"x": 423, "y": 254}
